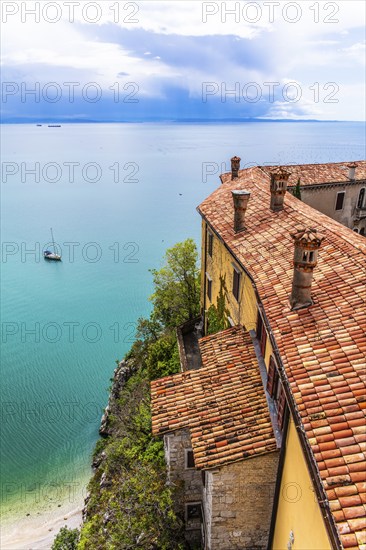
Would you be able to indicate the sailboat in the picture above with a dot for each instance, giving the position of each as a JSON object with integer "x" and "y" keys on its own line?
{"x": 48, "y": 255}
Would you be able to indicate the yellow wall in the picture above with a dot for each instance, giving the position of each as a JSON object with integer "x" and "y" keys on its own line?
{"x": 298, "y": 509}
{"x": 243, "y": 311}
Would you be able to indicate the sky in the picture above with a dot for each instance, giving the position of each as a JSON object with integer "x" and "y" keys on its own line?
{"x": 148, "y": 60}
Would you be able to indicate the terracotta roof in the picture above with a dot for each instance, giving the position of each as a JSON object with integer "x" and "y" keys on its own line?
{"x": 223, "y": 404}
{"x": 318, "y": 174}
{"x": 322, "y": 347}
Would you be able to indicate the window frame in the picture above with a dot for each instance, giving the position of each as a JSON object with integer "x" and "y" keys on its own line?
{"x": 362, "y": 194}
{"x": 209, "y": 287}
{"x": 188, "y": 453}
{"x": 236, "y": 283}
{"x": 343, "y": 194}
{"x": 197, "y": 504}
{"x": 210, "y": 239}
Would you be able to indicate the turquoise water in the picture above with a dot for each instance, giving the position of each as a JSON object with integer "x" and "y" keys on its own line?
{"x": 64, "y": 324}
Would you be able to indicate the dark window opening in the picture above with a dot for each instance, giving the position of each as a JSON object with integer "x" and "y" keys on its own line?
{"x": 340, "y": 201}
{"x": 203, "y": 473}
{"x": 194, "y": 511}
{"x": 362, "y": 231}
{"x": 361, "y": 197}
{"x": 189, "y": 459}
{"x": 209, "y": 288}
{"x": 236, "y": 284}
{"x": 304, "y": 256}
{"x": 311, "y": 257}
{"x": 210, "y": 244}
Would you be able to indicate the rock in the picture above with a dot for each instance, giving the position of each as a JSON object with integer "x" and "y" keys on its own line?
{"x": 98, "y": 460}
{"x": 104, "y": 482}
{"x": 121, "y": 375}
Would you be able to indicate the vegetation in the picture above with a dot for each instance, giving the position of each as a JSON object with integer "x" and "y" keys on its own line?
{"x": 130, "y": 505}
{"x": 177, "y": 286}
{"x": 66, "y": 539}
{"x": 217, "y": 315}
{"x": 297, "y": 190}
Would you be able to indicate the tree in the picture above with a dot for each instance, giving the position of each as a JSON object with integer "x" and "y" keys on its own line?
{"x": 177, "y": 285}
{"x": 297, "y": 190}
{"x": 66, "y": 539}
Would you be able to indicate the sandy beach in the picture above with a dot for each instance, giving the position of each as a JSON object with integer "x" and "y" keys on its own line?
{"x": 37, "y": 531}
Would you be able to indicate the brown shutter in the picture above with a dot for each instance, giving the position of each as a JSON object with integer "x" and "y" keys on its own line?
{"x": 281, "y": 406}
{"x": 271, "y": 377}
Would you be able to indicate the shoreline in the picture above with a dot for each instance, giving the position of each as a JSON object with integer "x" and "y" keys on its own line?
{"x": 38, "y": 530}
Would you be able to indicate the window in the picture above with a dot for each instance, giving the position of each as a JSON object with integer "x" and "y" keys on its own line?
{"x": 210, "y": 244}
{"x": 193, "y": 511}
{"x": 261, "y": 334}
{"x": 236, "y": 284}
{"x": 361, "y": 198}
{"x": 362, "y": 231}
{"x": 209, "y": 287}
{"x": 189, "y": 459}
{"x": 340, "y": 200}
{"x": 203, "y": 473}
{"x": 275, "y": 390}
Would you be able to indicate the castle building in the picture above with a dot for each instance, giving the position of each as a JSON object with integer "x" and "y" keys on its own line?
{"x": 265, "y": 442}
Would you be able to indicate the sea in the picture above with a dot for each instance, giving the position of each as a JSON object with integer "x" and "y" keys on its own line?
{"x": 116, "y": 197}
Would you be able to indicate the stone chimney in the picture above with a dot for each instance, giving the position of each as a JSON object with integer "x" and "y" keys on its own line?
{"x": 307, "y": 244}
{"x": 279, "y": 180}
{"x": 240, "y": 199}
{"x": 352, "y": 171}
{"x": 235, "y": 167}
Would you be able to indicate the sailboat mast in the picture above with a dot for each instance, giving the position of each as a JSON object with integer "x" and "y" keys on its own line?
{"x": 53, "y": 241}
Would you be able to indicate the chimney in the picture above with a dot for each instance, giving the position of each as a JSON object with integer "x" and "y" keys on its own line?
{"x": 279, "y": 180}
{"x": 240, "y": 199}
{"x": 307, "y": 244}
{"x": 352, "y": 171}
{"x": 235, "y": 167}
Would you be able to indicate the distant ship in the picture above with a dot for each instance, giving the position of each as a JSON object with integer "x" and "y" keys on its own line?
{"x": 48, "y": 255}
{"x": 54, "y": 125}
{"x": 39, "y": 124}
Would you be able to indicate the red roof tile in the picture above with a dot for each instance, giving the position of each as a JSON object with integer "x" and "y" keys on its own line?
{"x": 222, "y": 404}
{"x": 318, "y": 174}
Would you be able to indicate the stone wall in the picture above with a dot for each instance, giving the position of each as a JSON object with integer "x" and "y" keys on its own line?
{"x": 237, "y": 503}
{"x": 187, "y": 482}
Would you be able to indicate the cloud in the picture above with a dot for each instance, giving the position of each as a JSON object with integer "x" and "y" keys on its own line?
{"x": 171, "y": 49}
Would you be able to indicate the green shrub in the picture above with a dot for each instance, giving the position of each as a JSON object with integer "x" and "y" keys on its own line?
{"x": 66, "y": 539}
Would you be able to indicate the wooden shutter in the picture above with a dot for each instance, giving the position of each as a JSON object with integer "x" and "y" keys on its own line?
{"x": 281, "y": 406}
{"x": 271, "y": 377}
